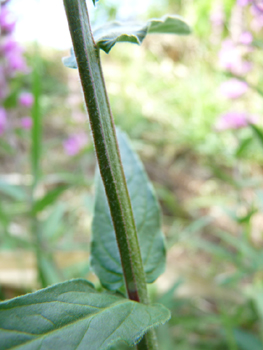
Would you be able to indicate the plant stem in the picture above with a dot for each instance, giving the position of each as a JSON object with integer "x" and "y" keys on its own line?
{"x": 36, "y": 151}
{"x": 106, "y": 147}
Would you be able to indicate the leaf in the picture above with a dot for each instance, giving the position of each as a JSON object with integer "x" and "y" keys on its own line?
{"x": 171, "y": 24}
{"x": 49, "y": 198}
{"x": 167, "y": 299}
{"x": 105, "y": 258}
{"x": 243, "y": 146}
{"x": 247, "y": 341}
{"x": 70, "y": 61}
{"x": 110, "y": 33}
{"x": 47, "y": 270}
{"x": 256, "y": 294}
{"x": 73, "y": 315}
{"x": 13, "y": 191}
{"x": 258, "y": 132}
{"x": 53, "y": 222}
{"x": 212, "y": 248}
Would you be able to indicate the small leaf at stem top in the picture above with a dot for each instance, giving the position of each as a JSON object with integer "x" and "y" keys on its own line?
{"x": 105, "y": 258}
{"x": 73, "y": 315}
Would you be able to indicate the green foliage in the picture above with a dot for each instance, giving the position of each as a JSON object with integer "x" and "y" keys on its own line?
{"x": 247, "y": 341}
{"x": 258, "y": 132}
{"x": 105, "y": 258}
{"x": 110, "y": 33}
{"x": 74, "y": 315}
{"x": 49, "y": 198}
{"x": 168, "y": 107}
{"x": 12, "y": 191}
{"x": 36, "y": 133}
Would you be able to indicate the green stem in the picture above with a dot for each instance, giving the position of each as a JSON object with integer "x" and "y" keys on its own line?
{"x": 36, "y": 150}
{"x": 106, "y": 147}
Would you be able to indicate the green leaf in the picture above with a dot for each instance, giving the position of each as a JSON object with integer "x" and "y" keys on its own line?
{"x": 110, "y": 33}
{"x": 247, "y": 341}
{"x": 258, "y": 132}
{"x": 49, "y": 198}
{"x": 171, "y": 24}
{"x": 70, "y": 61}
{"x": 12, "y": 191}
{"x": 53, "y": 222}
{"x": 48, "y": 271}
{"x": 73, "y": 315}
{"x": 105, "y": 258}
{"x": 243, "y": 146}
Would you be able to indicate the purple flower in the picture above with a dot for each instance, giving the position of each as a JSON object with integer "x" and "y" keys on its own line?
{"x": 217, "y": 18}
{"x": 26, "y": 123}
{"x": 11, "y": 45}
{"x": 7, "y": 20}
{"x": 3, "y": 120}
{"x": 243, "y": 3}
{"x": 244, "y": 68}
{"x": 234, "y": 120}
{"x": 257, "y": 21}
{"x": 246, "y": 38}
{"x": 257, "y": 6}
{"x": 16, "y": 62}
{"x": 26, "y": 99}
{"x": 13, "y": 53}
{"x": 75, "y": 143}
{"x": 230, "y": 58}
{"x": 229, "y": 55}
{"x": 233, "y": 88}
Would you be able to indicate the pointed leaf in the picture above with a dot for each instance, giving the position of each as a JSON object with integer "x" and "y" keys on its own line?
{"x": 105, "y": 258}
{"x": 110, "y": 33}
{"x": 258, "y": 132}
{"x": 49, "y": 198}
{"x": 73, "y": 315}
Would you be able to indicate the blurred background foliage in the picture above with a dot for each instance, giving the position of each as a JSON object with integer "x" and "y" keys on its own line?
{"x": 201, "y": 144}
